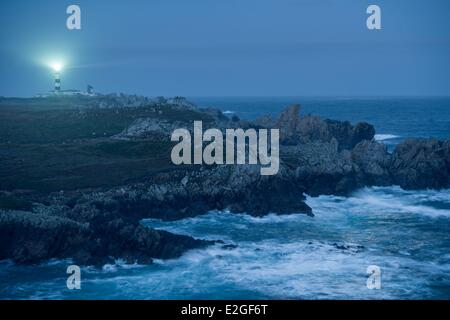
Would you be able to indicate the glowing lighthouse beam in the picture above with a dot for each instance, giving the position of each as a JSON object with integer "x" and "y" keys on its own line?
{"x": 57, "y": 67}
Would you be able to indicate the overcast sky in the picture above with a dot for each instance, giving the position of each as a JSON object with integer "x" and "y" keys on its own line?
{"x": 228, "y": 47}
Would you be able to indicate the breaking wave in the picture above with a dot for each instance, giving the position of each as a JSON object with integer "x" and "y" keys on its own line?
{"x": 382, "y": 137}
{"x": 405, "y": 233}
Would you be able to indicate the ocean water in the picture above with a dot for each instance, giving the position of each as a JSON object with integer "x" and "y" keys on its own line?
{"x": 405, "y": 233}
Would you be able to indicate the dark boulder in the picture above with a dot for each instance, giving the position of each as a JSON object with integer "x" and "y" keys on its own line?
{"x": 263, "y": 197}
{"x": 421, "y": 163}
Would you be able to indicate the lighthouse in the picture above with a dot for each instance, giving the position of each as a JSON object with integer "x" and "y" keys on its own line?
{"x": 57, "y": 82}
{"x": 57, "y": 69}
{"x": 57, "y": 91}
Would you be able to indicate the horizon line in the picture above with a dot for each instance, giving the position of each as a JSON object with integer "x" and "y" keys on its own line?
{"x": 264, "y": 96}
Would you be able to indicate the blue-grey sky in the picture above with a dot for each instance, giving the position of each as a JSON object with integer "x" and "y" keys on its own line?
{"x": 228, "y": 47}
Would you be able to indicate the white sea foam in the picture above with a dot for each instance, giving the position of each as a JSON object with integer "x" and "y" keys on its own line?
{"x": 386, "y": 200}
{"x": 294, "y": 256}
{"x": 395, "y": 200}
{"x": 383, "y": 137}
{"x": 119, "y": 264}
{"x": 273, "y": 269}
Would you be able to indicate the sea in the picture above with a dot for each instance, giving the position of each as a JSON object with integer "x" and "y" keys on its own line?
{"x": 404, "y": 235}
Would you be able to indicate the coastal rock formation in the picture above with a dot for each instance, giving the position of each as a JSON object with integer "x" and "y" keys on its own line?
{"x": 30, "y": 237}
{"x": 96, "y": 225}
{"x": 320, "y": 167}
{"x": 121, "y": 100}
{"x": 373, "y": 162}
{"x": 332, "y": 157}
{"x": 299, "y": 130}
{"x": 421, "y": 163}
{"x": 149, "y": 128}
{"x": 181, "y": 194}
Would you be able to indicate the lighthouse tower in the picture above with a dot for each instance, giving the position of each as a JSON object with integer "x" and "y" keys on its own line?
{"x": 57, "y": 82}
{"x": 57, "y": 69}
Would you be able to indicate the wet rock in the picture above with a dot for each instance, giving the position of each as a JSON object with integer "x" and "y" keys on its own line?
{"x": 29, "y": 237}
{"x": 229, "y": 246}
{"x": 299, "y": 130}
{"x": 351, "y": 248}
{"x": 321, "y": 168}
{"x": 185, "y": 194}
{"x": 373, "y": 161}
{"x": 421, "y": 163}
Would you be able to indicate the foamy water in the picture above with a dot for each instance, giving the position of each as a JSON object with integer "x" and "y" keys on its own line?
{"x": 405, "y": 233}
{"x": 385, "y": 137}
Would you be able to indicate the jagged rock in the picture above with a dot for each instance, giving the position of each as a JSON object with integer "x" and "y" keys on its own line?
{"x": 28, "y": 237}
{"x": 216, "y": 114}
{"x": 179, "y": 194}
{"x": 349, "y": 136}
{"x": 297, "y": 130}
{"x": 321, "y": 168}
{"x": 362, "y": 131}
{"x": 181, "y": 103}
{"x": 373, "y": 160}
{"x": 421, "y": 163}
{"x": 259, "y": 195}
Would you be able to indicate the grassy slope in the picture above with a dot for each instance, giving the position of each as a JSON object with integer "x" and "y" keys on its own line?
{"x": 60, "y": 144}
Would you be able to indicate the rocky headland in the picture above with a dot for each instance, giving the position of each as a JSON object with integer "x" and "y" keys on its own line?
{"x": 95, "y": 224}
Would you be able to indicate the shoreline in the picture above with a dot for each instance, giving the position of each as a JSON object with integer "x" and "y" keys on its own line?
{"x": 318, "y": 156}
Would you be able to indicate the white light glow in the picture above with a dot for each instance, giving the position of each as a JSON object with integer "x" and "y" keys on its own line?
{"x": 57, "y": 66}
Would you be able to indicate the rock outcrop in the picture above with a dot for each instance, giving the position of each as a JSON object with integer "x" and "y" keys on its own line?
{"x": 299, "y": 130}
{"x": 317, "y": 157}
{"x": 373, "y": 162}
{"x": 421, "y": 163}
{"x": 180, "y": 194}
{"x": 30, "y": 237}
